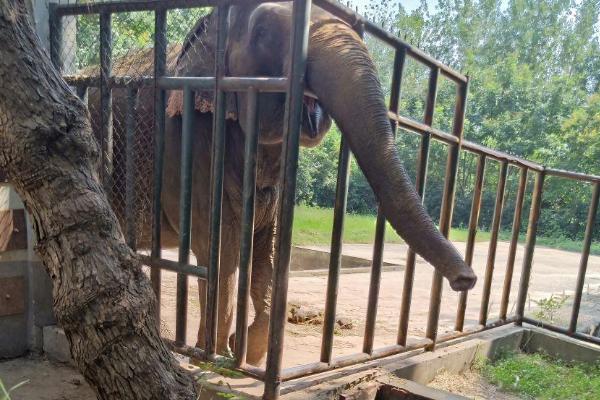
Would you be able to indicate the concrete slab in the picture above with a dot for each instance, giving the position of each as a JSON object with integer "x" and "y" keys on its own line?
{"x": 560, "y": 346}
{"x": 56, "y": 345}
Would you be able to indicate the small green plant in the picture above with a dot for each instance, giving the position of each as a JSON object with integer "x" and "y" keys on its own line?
{"x": 5, "y": 393}
{"x": 537, "y": 376}
{"x": 548, "y": 307}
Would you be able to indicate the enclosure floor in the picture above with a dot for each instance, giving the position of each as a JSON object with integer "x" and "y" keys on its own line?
{"x": 47, "y": 380}
{"x": 553, "y": 272}
{"x": 469, "y": 384}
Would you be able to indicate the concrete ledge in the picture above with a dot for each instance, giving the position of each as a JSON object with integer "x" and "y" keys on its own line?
{"x": 457, "y": 357}
{"x": 308, "y": 259}
{"x": 56, "y": 345}
{"x": 538, "y": 340}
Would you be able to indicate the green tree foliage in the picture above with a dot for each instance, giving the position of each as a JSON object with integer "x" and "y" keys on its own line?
{"x": 534, "y": 68}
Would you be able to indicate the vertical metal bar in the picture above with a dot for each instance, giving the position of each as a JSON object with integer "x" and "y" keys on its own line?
{"x": 130, "y": 162}
{"x": 534, "y": 217}
{"x": 460, "y": 109}
{"x": 216, "y": 189}
{"x": 420, "y": 183}
{"x": 335, "y": 259}
{"x": 247, "y": 234}
{"x": 185, "y": 208}
{"x": 160, "y": 67}
{"x": 473, "y": 224}
{"x": 56, "y": 32}
{"x": 491, "y": 260}
{"x": 587, "y": 242}
{"x": 375, "y": 282}
{"x": 514, "y": 240}
{"x": 289, "y": 166}
{"x": 106, "y": 100}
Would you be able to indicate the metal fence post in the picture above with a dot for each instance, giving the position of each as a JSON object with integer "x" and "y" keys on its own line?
{"x": 491, "y": 260}
{"x": 216, "y": 187}
{"x": 106, "y": 100}
{"x": 447, "y": 207}
{"x": 512, "y": 251}
{"x": 585, "y": 255}
{"x": 185, "y": 211}
{"x": 534, "y": 216}
{"x": 130, "y": 162}
{"x": 335, "y": 258}
{"x": 473, "y": 225}
{"x": 247, "y": 230}
{"x": 289, "y": 166}
{"x": 420, "y": 183}
{"x": 56, "y": 29}
{"x": 160, "y": 67}
{"x": 377, "y": 265}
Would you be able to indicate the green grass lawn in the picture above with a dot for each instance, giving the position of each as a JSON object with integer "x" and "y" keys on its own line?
{"x": 534, "y": 376}
{"x": 312, "y": 226}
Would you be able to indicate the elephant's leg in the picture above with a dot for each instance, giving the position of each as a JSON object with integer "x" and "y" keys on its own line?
{"x": 260, "y": 292}
{"x": 228, "y": 266}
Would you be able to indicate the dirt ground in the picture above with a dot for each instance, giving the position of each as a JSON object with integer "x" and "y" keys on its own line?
{"x": 469, "y": 384}
{"x": 554, "y": 272}
{"x": 47, "y": 380}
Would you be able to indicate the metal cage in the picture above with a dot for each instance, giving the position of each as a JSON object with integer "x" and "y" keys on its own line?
{"x": 293, "y": 86}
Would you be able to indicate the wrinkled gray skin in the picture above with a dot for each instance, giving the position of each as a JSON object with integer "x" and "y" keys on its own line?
{"x": 344, "y": 78}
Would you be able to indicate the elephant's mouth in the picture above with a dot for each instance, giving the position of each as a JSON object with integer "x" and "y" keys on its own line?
{"x": 314, "y": 117}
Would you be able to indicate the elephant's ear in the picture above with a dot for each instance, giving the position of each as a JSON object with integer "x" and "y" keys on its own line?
{"x": 197, "y": 58}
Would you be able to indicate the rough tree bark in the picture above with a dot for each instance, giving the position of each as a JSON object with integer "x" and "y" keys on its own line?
{"x": 102, "y": 298}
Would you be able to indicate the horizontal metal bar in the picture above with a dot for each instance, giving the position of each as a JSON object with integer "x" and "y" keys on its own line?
{"x": 146, "y": 5}
{"x": 573, "y": 175}
{"x": 345, "y": 361}
{"x": 232, "y": 84}
{"x": 195, "y": 352}
{"x": 228, "y": 84}
{"x": 421, "y": 128}
{"x": 577, "y": 335}
{"x": 123, "y": 81}
{"x": 354, "y": 19}
{"x": 169, "y": 265}
{"x": 500, "y": 156}
{"x": 289, "y": 374}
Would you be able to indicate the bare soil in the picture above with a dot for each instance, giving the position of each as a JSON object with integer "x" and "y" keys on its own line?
{"x": 47, "y": 380}
{"x": 469, "y": 384}
{"x": 554, "y": 272}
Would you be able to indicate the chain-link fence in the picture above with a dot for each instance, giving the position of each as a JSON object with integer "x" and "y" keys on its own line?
{"x": 132, "y": 59}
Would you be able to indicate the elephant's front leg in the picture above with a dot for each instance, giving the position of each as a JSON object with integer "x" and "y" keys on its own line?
{"x": 228, "y": 266}
{"x": 260, "y": 292}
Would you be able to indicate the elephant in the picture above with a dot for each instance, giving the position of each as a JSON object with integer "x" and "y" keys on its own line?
{"x": 341, "y": 73}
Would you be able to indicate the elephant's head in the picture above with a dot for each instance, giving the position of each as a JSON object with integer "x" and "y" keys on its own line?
{"x": 341, "y": 73}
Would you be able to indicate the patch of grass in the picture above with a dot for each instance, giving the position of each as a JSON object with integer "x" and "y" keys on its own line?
{"x": 312, "y": 226}
{"x": 536, "y": 376}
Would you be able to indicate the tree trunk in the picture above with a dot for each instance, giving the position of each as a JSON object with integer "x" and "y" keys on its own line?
{"x": 102, "y": 299}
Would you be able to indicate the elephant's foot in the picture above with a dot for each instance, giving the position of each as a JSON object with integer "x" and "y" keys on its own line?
{"x": 257, "y": 341}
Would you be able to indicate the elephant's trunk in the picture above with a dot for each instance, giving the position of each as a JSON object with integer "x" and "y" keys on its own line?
{"x": 341, "y": 72}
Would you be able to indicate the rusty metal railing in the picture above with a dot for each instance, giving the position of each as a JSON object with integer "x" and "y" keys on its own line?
{"x": 291, "y": 84}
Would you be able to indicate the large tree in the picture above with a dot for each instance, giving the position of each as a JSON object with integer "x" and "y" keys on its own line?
{"x": 102, "y": 298}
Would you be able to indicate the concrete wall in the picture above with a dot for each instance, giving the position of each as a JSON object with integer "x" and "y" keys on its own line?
{"x": 25, "y": 288}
